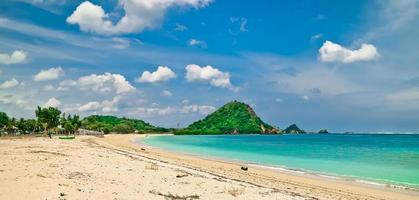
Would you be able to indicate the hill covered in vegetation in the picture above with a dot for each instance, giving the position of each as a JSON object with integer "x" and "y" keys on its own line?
{"x": 232, "y": 118}
{"x": 109, "y": 124}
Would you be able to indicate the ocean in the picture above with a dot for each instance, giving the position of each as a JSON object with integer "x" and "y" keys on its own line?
{"x": 382, "y": 158}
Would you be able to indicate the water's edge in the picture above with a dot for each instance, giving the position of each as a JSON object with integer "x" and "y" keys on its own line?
{"x": 289, "y": 170}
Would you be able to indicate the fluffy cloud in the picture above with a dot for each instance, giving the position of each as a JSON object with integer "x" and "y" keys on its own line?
{"x": 16, "y": 100}
{"x": 52, "y": 102}
{"x": 152, "y": 112}
{"x": 202, "y": 109}
{"x": 209, "y": 74}
{"x": 93, "y": 105}
{"x": 166, "y": 93}
{"x": 14, "y": 58}
{"x": 139, "y": 15}
{"x": 103, "y": 83}
{"x": 49, "y": 74}
{"x": 106, "y": 106}
{"x": 185, "y": 109}
{"x": 162, "y": 74}
{"x": 9, "y": 84}
{"x": 331, "y": 52}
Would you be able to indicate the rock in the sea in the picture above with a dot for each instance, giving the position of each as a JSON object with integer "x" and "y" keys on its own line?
{"x": 293, "y": 129}
{"x": 323, "y": 131}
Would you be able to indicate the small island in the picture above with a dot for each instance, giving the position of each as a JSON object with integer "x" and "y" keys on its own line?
{"x": 293, "y": 129}
{"x": 233, "y": 118}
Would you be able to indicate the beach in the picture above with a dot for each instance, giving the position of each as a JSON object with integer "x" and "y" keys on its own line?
{"x": 114, "y": 167}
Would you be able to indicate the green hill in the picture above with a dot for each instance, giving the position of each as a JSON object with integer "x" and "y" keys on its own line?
{"x": 232, "y": 118}
{"x": 109, "y": 124}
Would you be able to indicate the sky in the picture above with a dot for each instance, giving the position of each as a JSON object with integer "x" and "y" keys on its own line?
{"x": 340, "y": 65}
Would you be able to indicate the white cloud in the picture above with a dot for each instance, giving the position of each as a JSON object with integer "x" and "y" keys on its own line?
{"x": 331, "y": 52}
{"x": 103, "y": 83}
{"x": 166, "y": 93}
{"x": 305, "y": 97}
{"x": 62, "y": 88}
{"x": 16, "y": 100}
{"x": 241, "y": 21}
{"x": 52, "y": 102}
{"x": 139, "y": 15}
{"x": 209, "y": 74}
{"x": 110, "y": 106}
{"x": 106, "y": 106}
{"x": 185, "y": 109}
{"x": 48, "y": 88}
{"x": 120, "y": 43}
{"x": 152, "y": 112}
{"x": 9, "y": 84}
{"x": 202, "y": 109}
{"x": 180, "y": 28}
{"x": 279, "y": 100}
{"x": 196, "y": 42}
{"x": 22, "y": 103}
{"x": 14, "y": 58}
{"x": 162, "y": 74}
{"x": 93, "y": 105}
{"x": 317, "y": 36}
{"x": 49, "y": 74}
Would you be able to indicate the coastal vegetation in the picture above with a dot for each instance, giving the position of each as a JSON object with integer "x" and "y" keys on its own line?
{"x": 232, "y": 118}
{"x": 109, "y": 124}
{"x": 48, "y": 120}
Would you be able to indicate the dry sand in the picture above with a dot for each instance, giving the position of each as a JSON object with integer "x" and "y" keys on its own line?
{"x": 115, "y": 168}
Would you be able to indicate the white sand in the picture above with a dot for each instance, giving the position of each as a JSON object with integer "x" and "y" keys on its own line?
{"x": 114, "y": 168}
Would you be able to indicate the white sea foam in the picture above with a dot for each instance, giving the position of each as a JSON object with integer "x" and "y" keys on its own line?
{"x": 332, "y": 177}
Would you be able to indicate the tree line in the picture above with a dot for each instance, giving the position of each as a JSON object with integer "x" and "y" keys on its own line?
{"x": 51, "y": 120}
{"x": 48, "y": 120}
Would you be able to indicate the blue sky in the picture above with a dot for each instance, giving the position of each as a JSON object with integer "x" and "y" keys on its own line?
{"x": 341, "y": 65}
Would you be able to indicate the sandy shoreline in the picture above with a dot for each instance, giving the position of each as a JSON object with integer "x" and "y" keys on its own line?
{"x": 114, "y": 167}
{"x": 296, "y": 172}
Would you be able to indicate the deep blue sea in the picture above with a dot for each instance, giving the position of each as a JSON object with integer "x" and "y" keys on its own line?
{"x": 385, "y": 158}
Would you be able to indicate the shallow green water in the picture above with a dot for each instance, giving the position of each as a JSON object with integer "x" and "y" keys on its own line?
{"x": 389, "y": 158}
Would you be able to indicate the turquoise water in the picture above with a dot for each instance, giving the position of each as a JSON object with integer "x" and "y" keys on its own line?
{"x": 388, "y": 158}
